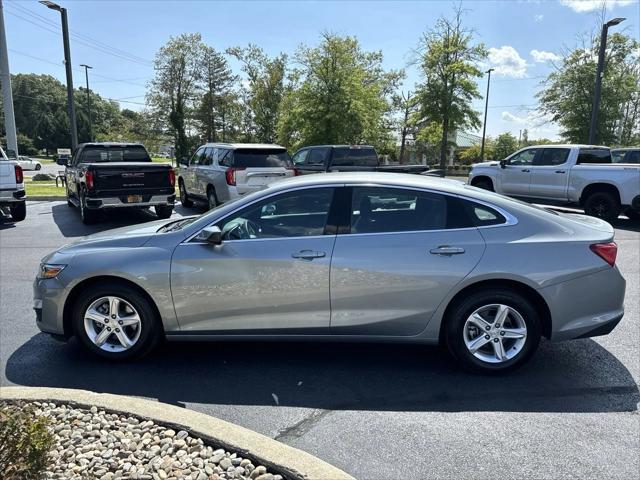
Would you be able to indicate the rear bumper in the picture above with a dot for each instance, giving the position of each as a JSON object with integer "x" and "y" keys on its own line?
{"x": 8, "y": 197}
{"x": 120, "y": 202}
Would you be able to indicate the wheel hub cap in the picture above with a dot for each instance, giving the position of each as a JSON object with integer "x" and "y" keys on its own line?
{"x": 112, "y": 324}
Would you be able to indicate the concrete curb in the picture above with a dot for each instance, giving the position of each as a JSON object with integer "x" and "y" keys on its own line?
{"x": 281, "y": 458}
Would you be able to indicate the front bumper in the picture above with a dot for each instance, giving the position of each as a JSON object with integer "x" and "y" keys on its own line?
{"x": 121, "y": 202}
{"x": 49, "y": 296}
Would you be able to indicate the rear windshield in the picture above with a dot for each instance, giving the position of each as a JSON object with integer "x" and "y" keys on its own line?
{"x": 115, "y": 154}
{"x": 354, "y": 156}
{"x": 261, "y": 157}
{"x": 594, "y": 155}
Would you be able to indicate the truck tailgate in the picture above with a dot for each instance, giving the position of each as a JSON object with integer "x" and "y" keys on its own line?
{"x": 130, "y": 175}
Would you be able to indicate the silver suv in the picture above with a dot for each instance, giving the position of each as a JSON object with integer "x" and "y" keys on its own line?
{"x": 219, "y": 172}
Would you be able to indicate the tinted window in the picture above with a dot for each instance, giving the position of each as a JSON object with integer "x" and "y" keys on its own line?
{"x": 207, "y": 158}
{"x": 523, "y": 158}
{"x": 594, "y": 155}
{"x": 552, "y": 156}
{"x": 293, "y": 214}
{"x": 224, "y": 157}
{"x": 134, "y": 153}
{"x": 617, "y": 156}
{"x": 317, "y": 156}
{"x": 195, "y": 159}
{"x": 261, "y": 157}
{"x": 632, "y": 156}
{"x": 354, "y": 156}
{"x": 300, "y": 158}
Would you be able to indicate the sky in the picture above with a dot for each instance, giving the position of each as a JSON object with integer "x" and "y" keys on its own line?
{"x": 119, "y": 39}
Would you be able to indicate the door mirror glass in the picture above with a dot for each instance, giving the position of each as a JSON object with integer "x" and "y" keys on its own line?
{"x": 211, "y": 235}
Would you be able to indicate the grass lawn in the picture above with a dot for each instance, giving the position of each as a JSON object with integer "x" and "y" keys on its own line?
{"x": 43, "y": 189}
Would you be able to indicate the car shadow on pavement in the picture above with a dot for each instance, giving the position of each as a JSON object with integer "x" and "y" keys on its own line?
{"x": 578, "y": 376}
{"x": 626, "y": 224}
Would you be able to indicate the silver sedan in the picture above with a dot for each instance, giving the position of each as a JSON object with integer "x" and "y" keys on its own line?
{"x": 344, "y": 256}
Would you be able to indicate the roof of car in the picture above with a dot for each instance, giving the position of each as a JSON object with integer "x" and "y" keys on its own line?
{"x": 242, "y": 145}
{"x": 336, "y": 146}
{"x": 624, "y": 149}
{"x": 566, "y": 145}
{"x": 110, "y": 144}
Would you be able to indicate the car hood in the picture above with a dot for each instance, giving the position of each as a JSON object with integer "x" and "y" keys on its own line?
{"x": 129, "y": 237}
{"x": 493, "y": 163}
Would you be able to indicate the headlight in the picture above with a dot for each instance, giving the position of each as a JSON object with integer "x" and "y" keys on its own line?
{"x": 49, "y": 270}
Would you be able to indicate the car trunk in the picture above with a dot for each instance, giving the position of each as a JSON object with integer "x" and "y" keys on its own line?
{"x": 255, "y": 168}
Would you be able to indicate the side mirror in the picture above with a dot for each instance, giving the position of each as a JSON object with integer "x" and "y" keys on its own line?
{"x": 503, "y": 164}
{"x": 212, "y": 235}
{"x": 184, "y": 161}
{"x": 62, "y": 161}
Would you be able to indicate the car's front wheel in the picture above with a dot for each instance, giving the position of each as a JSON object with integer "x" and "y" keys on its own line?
{"x": 87, "y": 215}
{"x": 184, "y": 196}
{"x": 115, "y": 322}
{"x": 493, "y": 330}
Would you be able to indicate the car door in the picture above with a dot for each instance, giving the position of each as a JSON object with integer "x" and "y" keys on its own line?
{"x": 203, "y": 171}
{"x": 515, "y": 177}
{"x": 189, "y": 171}
{"x": 550, "y": 174}
{"x": 270, "y": 274}
{"x": 399, "y": 260}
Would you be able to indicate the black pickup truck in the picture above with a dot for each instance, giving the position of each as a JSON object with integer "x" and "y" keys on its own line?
{"x": 117, "y": 175}
{"x": 346, "y": 158}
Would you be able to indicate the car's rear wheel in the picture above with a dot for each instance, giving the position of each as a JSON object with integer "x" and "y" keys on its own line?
{"x": 212, "y": 200}
{"x": 38, "y": 166}
{"x": 18, "y": 211}
{"x": 164, "y": 211}
{"x": 184, "y": 196}
{"x": 603, "y": 205}
{"x": 115, "y": 322}
{"x": 493, "y": 330}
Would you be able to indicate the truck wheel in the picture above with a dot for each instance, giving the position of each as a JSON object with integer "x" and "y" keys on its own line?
{"x": 602, "y": 205}
{"x": 184, "y": 197}
{"x": 211, "y": 198}
{"x": 88, "y": 217}
{"x": 632, "y": 214}
{"x": 484, "y": 184}
{"x": 18, "y": 211}
{"x": 164, "y": 211}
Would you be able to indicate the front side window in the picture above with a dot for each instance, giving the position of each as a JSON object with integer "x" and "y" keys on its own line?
{"x": 195, "y": 159}
{"x": 594, "y": 155}
{"x": 300, "y": 158}
{"x": 552, "y": 156}
{"x": 299, "y": 213}
{"x": 524, "y": 158}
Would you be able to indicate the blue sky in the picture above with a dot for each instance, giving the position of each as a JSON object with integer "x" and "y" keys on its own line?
{"x": 524, "y": 36}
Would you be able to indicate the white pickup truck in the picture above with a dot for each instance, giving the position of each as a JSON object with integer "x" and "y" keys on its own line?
{"x": 12, "y": 195}
{"x": 572, "y": 174}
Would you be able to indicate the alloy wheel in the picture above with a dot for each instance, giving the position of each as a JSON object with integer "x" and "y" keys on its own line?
{"x": 112, "y": 324}
{"x": 495, "y": 333}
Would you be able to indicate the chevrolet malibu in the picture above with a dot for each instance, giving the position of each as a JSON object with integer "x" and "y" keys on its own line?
{"x": 342, "y": 256}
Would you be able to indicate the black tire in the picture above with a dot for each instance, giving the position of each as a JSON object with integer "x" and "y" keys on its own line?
{"x": 184, "y": 196}
{"x": 87, "y": 215}
{"x": 150, "y": 328}
{"x": 38, "y": 167}
{"x": 632, "y": 214}
{"x": 18, "y": 211}
{"x": 164, "y": 211}
{"x": 212, "y": 199}
{"x": 462, "y": 310}
{"x": 484, "y": 184}
{"x": 69, "y": 202}
{"x": 602, "y": 205}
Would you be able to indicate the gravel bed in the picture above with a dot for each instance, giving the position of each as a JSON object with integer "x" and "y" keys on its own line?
{"x": 97, "y": 444}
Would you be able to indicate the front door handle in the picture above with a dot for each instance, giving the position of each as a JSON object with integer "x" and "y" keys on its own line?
{"x": 308, "y": 254}
{"x": 559, "y": 171}
{"x": 526, "y": 170}
{"x": 446, "y": 250}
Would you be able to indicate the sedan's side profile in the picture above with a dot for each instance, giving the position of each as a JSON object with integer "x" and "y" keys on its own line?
{"x": 344, "y": 256}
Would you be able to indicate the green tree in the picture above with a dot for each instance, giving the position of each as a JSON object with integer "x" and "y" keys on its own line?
{"x": 178, "y": 66}
{"x": 504, "y": 146}
{"x": 448, "y": 62}
{"x": 262, "y": 96}
{"x": 339, "y": 94}
{"x": 568, "y": 92}
{"x": 407, "y": 105}
{"x": 472, "y": 154}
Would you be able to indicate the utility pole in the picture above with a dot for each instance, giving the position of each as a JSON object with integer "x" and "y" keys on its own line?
{"x": 599, "y": 74}
{"x": 86, "y": 75}
{"x": 67, "y": 65}
{"x": 486, "y": 106}
{"x": 7, "y": 94}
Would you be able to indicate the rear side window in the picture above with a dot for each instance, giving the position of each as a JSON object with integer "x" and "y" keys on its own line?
{"x": 97, "y": 154}
{"x": 594, "y": 155}
{"x": 552, "y": 156}
{"x": 261, "y": 157}
{"x": 354, "y": 156}
{"x": 317, "y": 156}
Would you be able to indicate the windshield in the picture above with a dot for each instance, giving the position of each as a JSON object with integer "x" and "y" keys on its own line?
{"x": 261, "y": 157}
{"x": 97, "y": 154}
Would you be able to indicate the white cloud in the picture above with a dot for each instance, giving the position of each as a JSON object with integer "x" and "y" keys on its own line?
{"x": 536, "y": 123}
{"x": 591, "y": 5}
{"x": 540, "y": 56}
{"x": 538, "y": 18}
{"x": 507, "y": 62}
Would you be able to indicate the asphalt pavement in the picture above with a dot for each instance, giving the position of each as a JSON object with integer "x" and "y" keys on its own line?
{"x": 375, "y": 411}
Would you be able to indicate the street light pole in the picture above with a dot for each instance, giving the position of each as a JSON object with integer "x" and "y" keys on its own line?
{"x": 67, "y": 65}
{"x": 486, "y": 106}
{"x": 599, "y": 75}
{"x": 86, "y": 75}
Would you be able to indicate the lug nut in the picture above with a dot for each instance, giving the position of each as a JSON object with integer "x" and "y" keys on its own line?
{"x": 487, "y": 328}
{"x": 495, "y": 340}
{"x": 120, "y": 323}
{"x": 487, "y": 337}
{"x": 108, "y": 329}
{"x": 497, "y": 324}
{"x": 113, "y": 316}
{"x": 117, "y": 330}
{"x": 501, "y": 333}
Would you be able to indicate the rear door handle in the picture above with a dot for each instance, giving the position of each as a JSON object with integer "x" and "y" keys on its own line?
{"x": 308, "y": 254}
{"x": 526, "y": 170}
{"x": 446, "y": 250}
{"x": 559, "y": 171}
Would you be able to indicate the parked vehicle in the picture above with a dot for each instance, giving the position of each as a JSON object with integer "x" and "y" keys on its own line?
{"x": 346, "y": 158}
{"x": 571, "y": 174}
{"x": 343, "y": 256}
{"x": 108, "y": 175}
{"x": 28, "y": 163}
{"x": 219, "y": 172}
{"x": 626, "y": 155}
{"x": 12, "y": 193}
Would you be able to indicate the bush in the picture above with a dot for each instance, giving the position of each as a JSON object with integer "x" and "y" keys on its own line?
{"x": 25, "y": 443}
{"x": 42, "y": 177}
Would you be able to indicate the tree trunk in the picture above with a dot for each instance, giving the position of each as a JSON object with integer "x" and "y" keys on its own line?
{"x": 443, "y": 145}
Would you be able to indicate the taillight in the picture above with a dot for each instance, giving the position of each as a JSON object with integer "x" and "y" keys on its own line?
{"x": 230, "y": 175}
{"x": 88, "y": 179}
{"x": 606, "y": 251}
{"x": 19, "y": 174}
{"x": 172, "y": 178}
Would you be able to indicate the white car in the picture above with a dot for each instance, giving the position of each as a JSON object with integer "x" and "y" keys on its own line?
{"x": 12, "y": 193}
{"x": 29, "y": 163}
{"x": 575, "y": 174}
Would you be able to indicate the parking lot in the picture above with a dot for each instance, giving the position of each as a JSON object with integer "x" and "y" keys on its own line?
{"x": 375, "y": 411}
